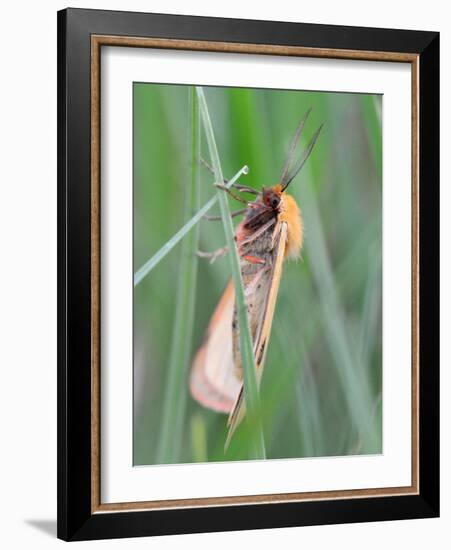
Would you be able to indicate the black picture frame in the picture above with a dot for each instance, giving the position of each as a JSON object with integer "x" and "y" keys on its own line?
{"x": 76, "y": 519}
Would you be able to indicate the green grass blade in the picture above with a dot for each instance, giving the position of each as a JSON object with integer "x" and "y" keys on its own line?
{"x": 199, "y": 439}
{"x": 370, "y": 311}
{"x": 171, "y": 430}
{"x": 169, "y": 245}
{"x": 247, "y": 355}
{"x": 372, "y": 114}
{"x": 353, "y": 378}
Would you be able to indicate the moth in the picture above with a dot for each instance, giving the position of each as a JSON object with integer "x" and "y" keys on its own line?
{"x": 271, "y": 231}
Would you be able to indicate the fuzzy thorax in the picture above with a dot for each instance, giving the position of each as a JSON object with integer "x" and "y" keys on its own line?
{"x": 290, "y": 213}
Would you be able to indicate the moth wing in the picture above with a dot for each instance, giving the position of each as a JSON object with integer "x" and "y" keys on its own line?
{"x": 262, "y": 339}
{"x": 264, "y": 330}
{"x": 213, "y": 382}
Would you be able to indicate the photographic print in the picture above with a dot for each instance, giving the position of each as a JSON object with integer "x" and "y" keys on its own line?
{"x": 280, "y": 192}
{"x": 248, "y": 264}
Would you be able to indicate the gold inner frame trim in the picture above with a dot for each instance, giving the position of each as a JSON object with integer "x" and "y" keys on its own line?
{"x": 97, "y": 41}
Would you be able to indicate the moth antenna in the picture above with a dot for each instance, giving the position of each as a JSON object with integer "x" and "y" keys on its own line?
{"x": 292, "y": 148}
{"x": 297, "y": 168}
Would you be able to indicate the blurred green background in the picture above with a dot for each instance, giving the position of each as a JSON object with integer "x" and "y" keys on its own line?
{"x": 321, "y": 389}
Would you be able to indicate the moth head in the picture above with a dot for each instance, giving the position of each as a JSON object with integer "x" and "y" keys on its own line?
{"x": 272, "y": 196}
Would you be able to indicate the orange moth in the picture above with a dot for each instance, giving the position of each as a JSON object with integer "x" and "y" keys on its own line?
{"x": 271, "y": 231}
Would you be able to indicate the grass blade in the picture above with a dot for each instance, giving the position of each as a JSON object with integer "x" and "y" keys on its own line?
{"x": 371, "y": 107}
{"x": 199, "y": 439}
{"x": 247, "y": 355}
{"x": 354, "y": 382}
{"x": 370, "y": 311}
{"x": 171, "y": 430}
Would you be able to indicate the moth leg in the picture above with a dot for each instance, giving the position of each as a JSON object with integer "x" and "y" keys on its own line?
{"x": 210, "y": 169}
{"x": 213, "y": 256}
{"x": 231, "y": 193}
{"x": 245, "y": 189}
{"x": 208, "y": 166}
{"x": 254, "y": 259}
{"x": 237, "y": 186}
{"x": 217, "y": 218}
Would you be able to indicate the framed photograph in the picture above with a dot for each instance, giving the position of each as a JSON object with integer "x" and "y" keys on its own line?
{"x": 248, "y": 274}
